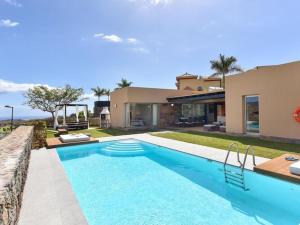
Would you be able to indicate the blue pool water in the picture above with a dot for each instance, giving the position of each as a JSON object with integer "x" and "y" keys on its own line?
{"x": 135, "y": 183}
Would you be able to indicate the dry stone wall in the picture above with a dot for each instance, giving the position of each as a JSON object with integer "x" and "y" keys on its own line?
{"x": 14, "y": 159}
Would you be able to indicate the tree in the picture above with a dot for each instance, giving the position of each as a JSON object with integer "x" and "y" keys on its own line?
{"x": 223, "y": 66}
{"x": 98, "y": 92}
{"x": 124, "y": 83}
{"x": 107, "y": 93}
{"x": 46, "y": 99}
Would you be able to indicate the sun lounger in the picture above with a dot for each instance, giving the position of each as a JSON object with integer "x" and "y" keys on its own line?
{"x": 74, "y": 138}
{"x": 137, "y": 123}
{"x": 295, "y": 168}
{"x": 210, "y": 127}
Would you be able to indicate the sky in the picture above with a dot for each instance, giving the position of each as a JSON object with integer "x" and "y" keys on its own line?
{"x": 88, "y": 43}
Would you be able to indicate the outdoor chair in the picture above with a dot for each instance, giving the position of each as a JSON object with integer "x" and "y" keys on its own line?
{"x": 137, "y": 123}
{"x": 210, "y": 127}
{"x": 182, "y": 122}
{"x": 215, "y": 126}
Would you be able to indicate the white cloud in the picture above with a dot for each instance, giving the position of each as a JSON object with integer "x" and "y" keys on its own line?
{"x": 158, "y": 2}
{"x": 132, "y": 40}
{"x": 9, "y": 86}
{"x": 112, "y": 38}
{"x": 13, "y": 3}
{"x": 8, "y": 23}
{"x": 154, "y": 2}
{"x": 98, "y": 35}
{"x": 115, "y": 38}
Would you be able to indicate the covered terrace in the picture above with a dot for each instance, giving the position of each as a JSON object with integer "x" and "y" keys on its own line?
{"x": 199, "y": 109}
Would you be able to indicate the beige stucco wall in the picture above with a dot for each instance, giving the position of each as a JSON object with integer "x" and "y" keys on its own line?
{"x": 117, "y": 107}
{"x": 138, "y": 95}
{"x": 195, "y": 83}
{"x": 278, "y": 88}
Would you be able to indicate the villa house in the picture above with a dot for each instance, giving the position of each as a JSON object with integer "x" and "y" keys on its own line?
{"x": 153, "y": 107}
{"x": 260, "y": 101}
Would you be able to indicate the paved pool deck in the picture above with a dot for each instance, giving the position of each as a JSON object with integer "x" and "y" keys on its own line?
{"x": 194, "y": 149}
{"x": 48, "y": 197}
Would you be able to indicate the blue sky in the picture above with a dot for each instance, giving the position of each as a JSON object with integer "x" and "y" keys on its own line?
{"x": 97, "y": 42}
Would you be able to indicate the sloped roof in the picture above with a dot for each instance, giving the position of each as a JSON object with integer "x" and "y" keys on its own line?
{"x": 202, "y": 96}
{"x": 186, "y": 76}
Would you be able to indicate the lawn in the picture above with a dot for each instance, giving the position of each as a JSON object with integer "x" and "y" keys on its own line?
{"x": 98, "y": 132}
{"x": 263, "y": 148}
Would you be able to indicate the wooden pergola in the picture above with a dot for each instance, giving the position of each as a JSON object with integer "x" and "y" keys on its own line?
{"x": 64, "y": 108}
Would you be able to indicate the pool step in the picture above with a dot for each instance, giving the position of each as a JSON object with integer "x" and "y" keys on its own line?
{"x": 123, "y": 148}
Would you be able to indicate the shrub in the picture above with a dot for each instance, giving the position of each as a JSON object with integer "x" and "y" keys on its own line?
{"x": 39, "y": 133}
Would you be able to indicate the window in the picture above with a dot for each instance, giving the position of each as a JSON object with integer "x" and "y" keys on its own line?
{"x": 199, "y": 110}
{"x": 193, "y": 110}
{"x": 140, "y": 115}
{"x": 187, "y": 110}
{"x": 252, "y": 114}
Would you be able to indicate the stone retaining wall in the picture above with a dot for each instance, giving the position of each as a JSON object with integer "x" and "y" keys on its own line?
{"x": 14, "y": 159}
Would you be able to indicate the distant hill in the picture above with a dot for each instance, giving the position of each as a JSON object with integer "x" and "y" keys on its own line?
{"x": 23, "y": 118}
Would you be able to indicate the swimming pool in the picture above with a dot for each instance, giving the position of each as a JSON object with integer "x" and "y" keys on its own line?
{"x": 133, "y": 182}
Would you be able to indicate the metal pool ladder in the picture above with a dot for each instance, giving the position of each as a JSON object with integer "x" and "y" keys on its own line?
{"x": 237, "y": 177}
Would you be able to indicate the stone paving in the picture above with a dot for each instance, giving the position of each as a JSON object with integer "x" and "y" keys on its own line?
{"x": 48, "y": 196}
{"x": 194, "y": 149}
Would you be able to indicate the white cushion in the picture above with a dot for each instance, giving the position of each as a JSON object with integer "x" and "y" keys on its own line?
{"x": 74, "y": 138}
{"x": 210, "y": 125}
{"x": 295, "y": 168}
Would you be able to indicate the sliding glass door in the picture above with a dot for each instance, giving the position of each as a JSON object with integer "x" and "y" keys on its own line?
{"x": 141, "y": 115}
{"x": 252, "y": 114}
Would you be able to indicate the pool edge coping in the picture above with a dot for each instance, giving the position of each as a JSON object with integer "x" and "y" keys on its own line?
{"x": 49, "y": 197}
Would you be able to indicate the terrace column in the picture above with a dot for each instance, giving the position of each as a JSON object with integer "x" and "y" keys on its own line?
{"x": 55, "y": 118}
{"x": 77, "y": 114}
{"x": 65, "y": 115}
{"x": 154, "y": 115}
{"x": 85, "y": 113}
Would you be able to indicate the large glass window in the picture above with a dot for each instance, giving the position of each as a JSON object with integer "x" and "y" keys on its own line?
{"x": 193, "y": 110}
{"x": 140, "y": 115}
{"x": 199, "y": 110}
{"x": 187, "y": 110}
{"x": 252, "y": 114}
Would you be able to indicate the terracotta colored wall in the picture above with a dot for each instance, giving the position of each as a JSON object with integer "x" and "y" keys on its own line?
{"x": 117, "y": 107}
{"x": 195, "y": 83}
{"x": 278, "y": 88}
{"x": 137, "y": 95}
{"x": 153, "y": 95}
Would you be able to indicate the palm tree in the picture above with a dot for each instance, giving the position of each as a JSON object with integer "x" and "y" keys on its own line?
{"x": 98, "y": 92}
{"x": 107, "y": 93}
{"x": 223, "y": 66}
{"x": 124, "y": 83}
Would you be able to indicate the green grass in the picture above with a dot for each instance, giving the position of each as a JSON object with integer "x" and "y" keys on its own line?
{"x": 263, "y": 148}
{"x": 97, "y": 132}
